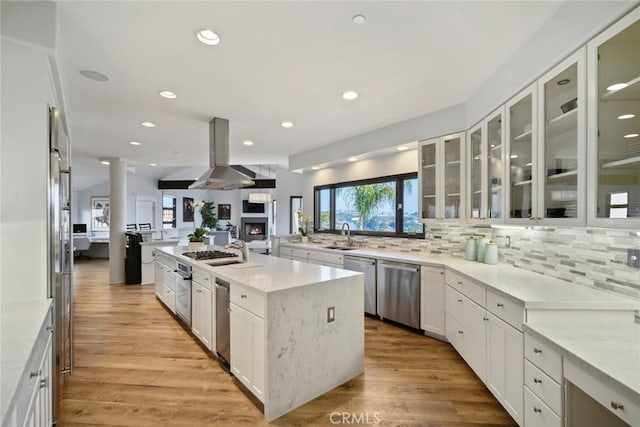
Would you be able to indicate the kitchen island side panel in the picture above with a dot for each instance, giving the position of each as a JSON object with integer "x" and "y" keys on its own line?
{"x": 306, "y": 355}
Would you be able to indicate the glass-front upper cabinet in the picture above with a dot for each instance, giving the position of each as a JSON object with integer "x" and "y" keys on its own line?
{"x": 562, "y": 152}
{"x": 486, "y": 168}
{"x": 521, "y": 151}
{"x": 614, "y": 125}
{"x": 441, "y": 172}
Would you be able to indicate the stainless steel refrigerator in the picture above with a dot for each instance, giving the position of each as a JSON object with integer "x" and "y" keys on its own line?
{"x": 60, "y": 264}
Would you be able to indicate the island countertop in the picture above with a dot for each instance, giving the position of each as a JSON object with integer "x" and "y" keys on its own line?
{"x": 264, "y": 273}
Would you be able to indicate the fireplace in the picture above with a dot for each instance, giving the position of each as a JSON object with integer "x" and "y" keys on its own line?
{"x": 253, "y": 229}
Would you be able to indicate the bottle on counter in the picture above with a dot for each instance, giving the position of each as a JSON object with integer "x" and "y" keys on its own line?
{"x": 491, "y": 253}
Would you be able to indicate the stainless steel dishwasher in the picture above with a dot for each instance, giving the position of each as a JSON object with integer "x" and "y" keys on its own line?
{"x": 368, "y": 267}
{"x": 399, "y": 292}
{"x": 223, "y": 346}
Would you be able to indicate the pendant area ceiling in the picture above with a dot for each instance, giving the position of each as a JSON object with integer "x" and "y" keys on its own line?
{"x": 276, "y": 61}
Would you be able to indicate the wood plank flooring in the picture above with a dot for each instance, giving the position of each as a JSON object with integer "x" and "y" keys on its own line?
{"x": 135, "y": 366}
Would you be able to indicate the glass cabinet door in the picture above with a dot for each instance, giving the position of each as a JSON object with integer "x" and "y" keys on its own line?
{"x": 521, "y": 150}
{"x": 562, "y": 152}
{"x": 617, "y": 136}
{"x": 475, "y": 173}
{"x": 428, "y": 184}
{"x": 495, "y": 166}
{"x": 452, "y": 181}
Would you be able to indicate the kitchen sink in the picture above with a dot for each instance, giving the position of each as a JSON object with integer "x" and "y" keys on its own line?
{"x": 214, "y": 263}
{"x": 340, "y": 248}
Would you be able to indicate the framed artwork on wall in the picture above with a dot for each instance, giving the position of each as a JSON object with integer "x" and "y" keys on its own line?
{"x": 224, "y": 211}
{"x": 100, "y": 213}
{"x": 187, "y": 209}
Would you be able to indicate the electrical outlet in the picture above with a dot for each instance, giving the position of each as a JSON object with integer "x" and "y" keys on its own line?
{"x": 633, "y": 258}
{"x": 331, "y": 314}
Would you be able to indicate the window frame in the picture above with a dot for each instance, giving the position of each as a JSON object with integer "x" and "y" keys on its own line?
{"x": 173, "y": 210}
{"x": 399, "y": 187}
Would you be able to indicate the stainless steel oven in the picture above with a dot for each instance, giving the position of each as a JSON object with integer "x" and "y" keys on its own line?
{"x": 183, "y": 293}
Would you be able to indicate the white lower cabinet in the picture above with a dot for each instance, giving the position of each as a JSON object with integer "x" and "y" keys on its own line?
{"x": 247, "y": 349}
{"x": 39, "y": 413}
{"x": 470, "y": 348}
{"x": 505, "y": 365}
{"x": 201, "y": 314}
{"x": 537, "y": 414}
{"x": 160, "y": 268}
{"x": 432, "y": 300}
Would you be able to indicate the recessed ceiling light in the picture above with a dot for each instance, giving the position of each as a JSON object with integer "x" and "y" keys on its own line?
{"x": 94, "y": 75}
{"x": 563, "y": 82}
{"x": 247, "y": 142}
{"x": 208, "y": 37}
{"x": 148, "y": 124}
{"x": 315, "y": 168}
{"x": 168, "y": 94}
{"x": 402, "y": 148}
{"x": 626, "y": 116}
{"x": 353, "y": 159}
{"x": 153, "y": 164}
{"x": 286, "y": 124}
{"x": 350, "y": 95}
{"x": 359, "y": 19}
{"x": 617, "y": 86}
{"x": 135, "y": 143}
{"x": 514, "y": 156}
{"x": 104, "y": 162}
{"x": 631, "y": 135}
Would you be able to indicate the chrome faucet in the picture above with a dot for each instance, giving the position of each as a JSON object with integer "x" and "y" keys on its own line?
{"x": 240, "y": 245}
{"x": 349, "y": 239}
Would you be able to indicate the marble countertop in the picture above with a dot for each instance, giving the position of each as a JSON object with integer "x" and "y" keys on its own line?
{"x": 265, "y": 273}
{"x": 160, "y": 242}
{"x": 19, "y": 328}
{"x": 533, "y": 290}
{"x": 611, "y": 348}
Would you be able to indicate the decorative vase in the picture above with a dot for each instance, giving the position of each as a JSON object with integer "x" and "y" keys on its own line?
{"x": 305, "y": 239}
{"x": 480, "y": 248}
{"x": 470, "y": 251}
{"x": 491, "y": 253}
{"x": 194, "y": 246}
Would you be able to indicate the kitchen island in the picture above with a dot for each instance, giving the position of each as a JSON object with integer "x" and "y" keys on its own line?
{"x": 297, "y": 330}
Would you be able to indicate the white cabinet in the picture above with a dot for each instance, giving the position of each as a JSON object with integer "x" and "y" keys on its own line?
{"x": 39, "y": 412}
{"x": 505, "y": 365}
{"x": 432, "y": 300}
{"x": 542, "y": 390}
{"x": 159, "y": 271}
{"x": 614, "y": 125}
{"x": 485, "y": 154}
{"x": 441, "y": 178}
{"x": 169, "y": 288}
{"x": 248, "y": 338}
{"x": 313, "y": 257}
{"x": 201, "y": 313}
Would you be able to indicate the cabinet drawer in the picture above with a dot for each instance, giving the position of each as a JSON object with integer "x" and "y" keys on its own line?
{"x": 202, "y": 277}
{"x": 467, "y": 287}
{"x": 469, "y": 314}
{"x": 604, "y": 392}
{"x": 543, "y": 386}
{"x": 471, "y": 350}
{"x": 317, "y": 257}
{"x": 250, "y": 299}
{"x": 537, "y": 414}
{"x": 169, "y": 279}
{"x": 169, "y": 298}
{"x": 294, "y": 252}
{"x": 506, "y": 309}
{"x": 543, "y": 356}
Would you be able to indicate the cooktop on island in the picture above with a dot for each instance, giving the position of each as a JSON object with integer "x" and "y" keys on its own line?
{"x": 203, "y": 255}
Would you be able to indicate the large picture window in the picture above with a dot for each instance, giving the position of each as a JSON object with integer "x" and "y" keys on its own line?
{"x": 385, "y": 206}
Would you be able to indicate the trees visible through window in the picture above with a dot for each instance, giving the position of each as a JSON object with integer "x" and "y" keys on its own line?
{"x": 168, "y": 211}
{"x": 382, "y": 206}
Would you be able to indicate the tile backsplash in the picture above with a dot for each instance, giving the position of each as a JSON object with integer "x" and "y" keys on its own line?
{"x": 591, "y": 257}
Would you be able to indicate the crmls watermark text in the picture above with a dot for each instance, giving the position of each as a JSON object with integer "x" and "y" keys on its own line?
{"x": 355, "y": 418}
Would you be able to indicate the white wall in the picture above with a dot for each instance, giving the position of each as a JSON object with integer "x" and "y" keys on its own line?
{"x": 287, "y": 184}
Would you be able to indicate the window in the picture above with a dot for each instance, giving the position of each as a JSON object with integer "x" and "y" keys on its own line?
{"x": 168, "y": 211}
{"x": 386, "y": 206}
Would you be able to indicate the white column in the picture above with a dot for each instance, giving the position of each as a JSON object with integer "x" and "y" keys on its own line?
{"x": 117, "y": 219}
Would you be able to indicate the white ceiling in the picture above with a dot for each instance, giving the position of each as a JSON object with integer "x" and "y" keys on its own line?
{"x": 277, "y": 61}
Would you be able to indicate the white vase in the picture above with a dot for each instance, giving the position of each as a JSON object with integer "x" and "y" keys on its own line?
{"x": 305, "y": 239}
{"x": 194, "y": 246}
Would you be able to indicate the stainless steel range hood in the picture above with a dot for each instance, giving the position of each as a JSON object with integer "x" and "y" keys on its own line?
{"x": 220, "y": 175}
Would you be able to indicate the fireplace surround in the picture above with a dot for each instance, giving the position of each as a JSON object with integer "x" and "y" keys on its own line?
{"x": 253, "y": 228}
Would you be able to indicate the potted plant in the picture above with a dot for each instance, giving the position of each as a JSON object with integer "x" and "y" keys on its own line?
{"x": 209, "y": 218}
{"x": 304, "y": 226}
{"x": 196, "y": 239}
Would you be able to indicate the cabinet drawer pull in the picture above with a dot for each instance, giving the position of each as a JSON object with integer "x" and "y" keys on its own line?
{"x": 243, "y": 296}
{"x": 461, "y": 332}
{"x": 49, "y": 328}
{"x": 459, "y": 299}
{"x": 43, "y": 383}
{"x": 537, "y": 410}
{"x": 616, "y": 405}
{"x": 35, "y": 374}
{"x": 486, "y": 319}
{"x": 500, "y": 304}
{"x": 460, "y": 283}
{"x": 537, "y": 350}
{"x": 537, "y": 381}
{"x": 442, "y": 272}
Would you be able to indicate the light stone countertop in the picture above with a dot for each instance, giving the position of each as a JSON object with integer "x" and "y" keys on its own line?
{"x": 159, "y": 242}
{"x": 611, "y": 348}
{"x": 265, "y": 273}
{"x": 534, "y": 290}
{"x": 19, "y": 328}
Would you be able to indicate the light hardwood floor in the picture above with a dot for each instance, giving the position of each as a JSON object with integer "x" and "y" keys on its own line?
{"x": 135, "y": 366}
